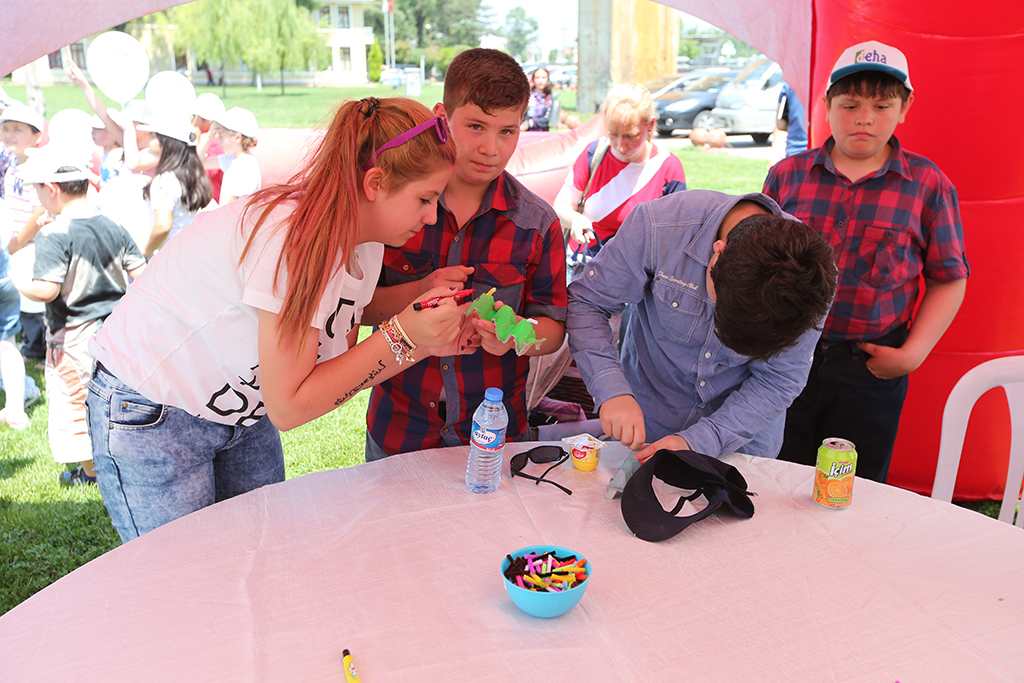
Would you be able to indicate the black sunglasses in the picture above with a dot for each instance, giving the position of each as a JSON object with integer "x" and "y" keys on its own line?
{"x": 539, "y": 455}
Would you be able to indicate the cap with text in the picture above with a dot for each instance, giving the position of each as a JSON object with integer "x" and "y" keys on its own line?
{"x": 871, "y": 56}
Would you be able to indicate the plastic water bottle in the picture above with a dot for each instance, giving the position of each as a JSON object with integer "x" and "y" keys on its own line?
{"x": 483, "y": 471}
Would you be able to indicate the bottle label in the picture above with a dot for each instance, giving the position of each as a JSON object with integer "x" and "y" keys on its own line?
{"x": 488, "y": 439}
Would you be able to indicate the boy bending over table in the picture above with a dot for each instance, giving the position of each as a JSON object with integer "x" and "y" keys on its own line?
{"x": 729, "y": 296}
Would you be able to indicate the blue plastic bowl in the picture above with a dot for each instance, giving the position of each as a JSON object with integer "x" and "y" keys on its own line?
{"x": 543, "y": 604}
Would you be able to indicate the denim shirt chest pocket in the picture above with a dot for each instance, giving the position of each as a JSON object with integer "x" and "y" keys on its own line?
{"x": 679, "y": 305}
{"x": 508, "y": 281}
{"x": 882, "y": 255}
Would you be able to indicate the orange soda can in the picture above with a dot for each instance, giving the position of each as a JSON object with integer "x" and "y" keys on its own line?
{"x": 833, "y": 475}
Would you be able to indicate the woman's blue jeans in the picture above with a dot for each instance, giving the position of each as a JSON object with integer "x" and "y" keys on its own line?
{"x": 156, "y": 463}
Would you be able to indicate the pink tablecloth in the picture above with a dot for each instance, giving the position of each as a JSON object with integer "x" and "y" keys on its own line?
{"x": 398, "y": 562}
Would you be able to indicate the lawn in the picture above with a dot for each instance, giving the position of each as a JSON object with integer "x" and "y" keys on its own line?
{"x": 47, "y": 531}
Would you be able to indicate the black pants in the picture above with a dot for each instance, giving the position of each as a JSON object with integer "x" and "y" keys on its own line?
{"x": 33, "y": 336}
{"x": 843, "y": 399}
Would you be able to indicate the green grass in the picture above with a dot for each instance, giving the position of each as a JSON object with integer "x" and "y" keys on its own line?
{"x": 721, "y": 172}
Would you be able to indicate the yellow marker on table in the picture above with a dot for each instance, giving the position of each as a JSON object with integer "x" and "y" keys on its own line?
{"x": 350, "y": 667}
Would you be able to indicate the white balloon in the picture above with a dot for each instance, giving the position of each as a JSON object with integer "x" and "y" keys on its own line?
{"x": 171, "y": 94}
{"x": 118, "y": 65}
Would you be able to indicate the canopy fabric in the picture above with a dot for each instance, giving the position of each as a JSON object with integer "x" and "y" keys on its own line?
{"x": 30, "y": 30}
{"x": 784, "y": 36}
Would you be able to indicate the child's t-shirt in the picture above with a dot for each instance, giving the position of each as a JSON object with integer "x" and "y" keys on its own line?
{"x": 21, "y": 199}
{"x": 241, "y": 176}
{"x": 165, "y": 195}
{"x": 88, "y": 257}
{"x": 204, "y": 356}
{"x": 111, "y": 165}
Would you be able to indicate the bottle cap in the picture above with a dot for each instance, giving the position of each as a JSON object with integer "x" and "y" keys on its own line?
{"x": 494, "y": 394}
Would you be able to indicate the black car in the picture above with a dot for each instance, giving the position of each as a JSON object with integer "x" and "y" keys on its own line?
{"x": 691, "y": 106}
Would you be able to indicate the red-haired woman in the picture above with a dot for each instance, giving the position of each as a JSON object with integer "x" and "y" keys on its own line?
{"x": 245, "y": 323}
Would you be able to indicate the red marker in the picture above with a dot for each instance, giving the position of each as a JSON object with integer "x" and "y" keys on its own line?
{"x": 432, "y": 303}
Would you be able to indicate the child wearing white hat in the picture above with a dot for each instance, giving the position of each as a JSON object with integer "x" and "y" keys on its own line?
{"x": 80, "y": 261}
{"x": 238, "y": 131}
{"x": 180, "y": 187}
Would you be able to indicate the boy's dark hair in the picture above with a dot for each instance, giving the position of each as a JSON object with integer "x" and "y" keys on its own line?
{"x": 75, "y": 188}
{"x": 774, "y": 281}
{"x": 487, "y": 78}
{"x": 868, "y": 84}
{"x": 183, "y": 161}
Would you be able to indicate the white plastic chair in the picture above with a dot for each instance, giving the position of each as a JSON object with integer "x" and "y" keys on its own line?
{"x": 1005, "y": 372}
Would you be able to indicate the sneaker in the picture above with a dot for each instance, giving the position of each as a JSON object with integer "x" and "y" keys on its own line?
{"x": 75, "y": 477}
{"x": 17, "y": 421}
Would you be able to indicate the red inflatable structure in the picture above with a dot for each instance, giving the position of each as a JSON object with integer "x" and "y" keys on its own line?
{"x": 964, "y": 66}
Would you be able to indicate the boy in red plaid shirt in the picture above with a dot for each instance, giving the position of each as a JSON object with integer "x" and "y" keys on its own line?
{"x": 891, "y": 216}
{"x": 491, "y": 232}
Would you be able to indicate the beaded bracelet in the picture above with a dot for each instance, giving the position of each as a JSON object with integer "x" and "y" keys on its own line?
{"x": 397, "y": 339}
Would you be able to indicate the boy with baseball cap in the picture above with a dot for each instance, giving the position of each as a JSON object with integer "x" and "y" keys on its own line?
{"x": 891, "y": 216}
{"x": 80, "y": 261}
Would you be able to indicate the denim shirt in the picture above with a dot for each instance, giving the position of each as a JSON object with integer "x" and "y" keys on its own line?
{"x": 685, "y": 380}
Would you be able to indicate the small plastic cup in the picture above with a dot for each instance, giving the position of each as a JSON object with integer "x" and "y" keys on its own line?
{"x": 585, "y": 451}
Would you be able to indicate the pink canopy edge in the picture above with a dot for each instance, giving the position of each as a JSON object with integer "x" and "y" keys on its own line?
{"x": 782, "y": 30}
{"x": 33, "y": 29}
{"x": 38, "y": 28}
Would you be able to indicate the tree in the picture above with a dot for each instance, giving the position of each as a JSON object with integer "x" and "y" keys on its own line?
{"x": 268, "y": 35}
{"x": 212, "y": 29}
{"x": 553, "y": 55}
{"x": 689, "y": 48}
{"x": 520, "y": 30}
{"x": 281, "y": 37}
{"x": 374, "y": 62}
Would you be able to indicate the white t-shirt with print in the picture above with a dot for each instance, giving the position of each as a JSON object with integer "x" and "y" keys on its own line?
{"x": 241, "y": 176}
{"x": 165, "y": 195}
{"x": 185, "y": 334}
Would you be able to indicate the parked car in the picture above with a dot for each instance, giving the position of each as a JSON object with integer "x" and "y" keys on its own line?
{"x": 691, "y": 106}
{"x": 747, "y": 106}
{"x": 660, "y": 86}
{"x": 564, "y": 76}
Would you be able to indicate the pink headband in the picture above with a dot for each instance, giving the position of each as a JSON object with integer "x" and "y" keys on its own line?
{"x": 437, "y": 123}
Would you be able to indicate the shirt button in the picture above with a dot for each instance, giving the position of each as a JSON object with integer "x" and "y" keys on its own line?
{"x": 591, "y": 273}
{"x": 675, "y": 304}
{"x": 445, "y": 430}
{"x": 702, "y": 382}
{"x": 405, "y": 267}
{"x": 707, "y": 355}
{"x": 444, "y": 367}
{"x": 840, "y": 223}
{"x": 433, "y": 405}
{"x": 124, "y": 404}
{"x": 456, "y": 238}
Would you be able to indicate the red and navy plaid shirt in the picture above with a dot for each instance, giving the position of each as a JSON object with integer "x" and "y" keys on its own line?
{"x": 887, "y": 229}
{"x": 514, "y": 243}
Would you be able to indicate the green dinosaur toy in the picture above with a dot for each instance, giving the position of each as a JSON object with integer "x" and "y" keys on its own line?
{"x": 506, "y": 323}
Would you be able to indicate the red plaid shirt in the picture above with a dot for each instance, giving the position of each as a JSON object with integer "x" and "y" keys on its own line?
{"x": 887, "y": 229}
{"x": 514, "y": 243}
